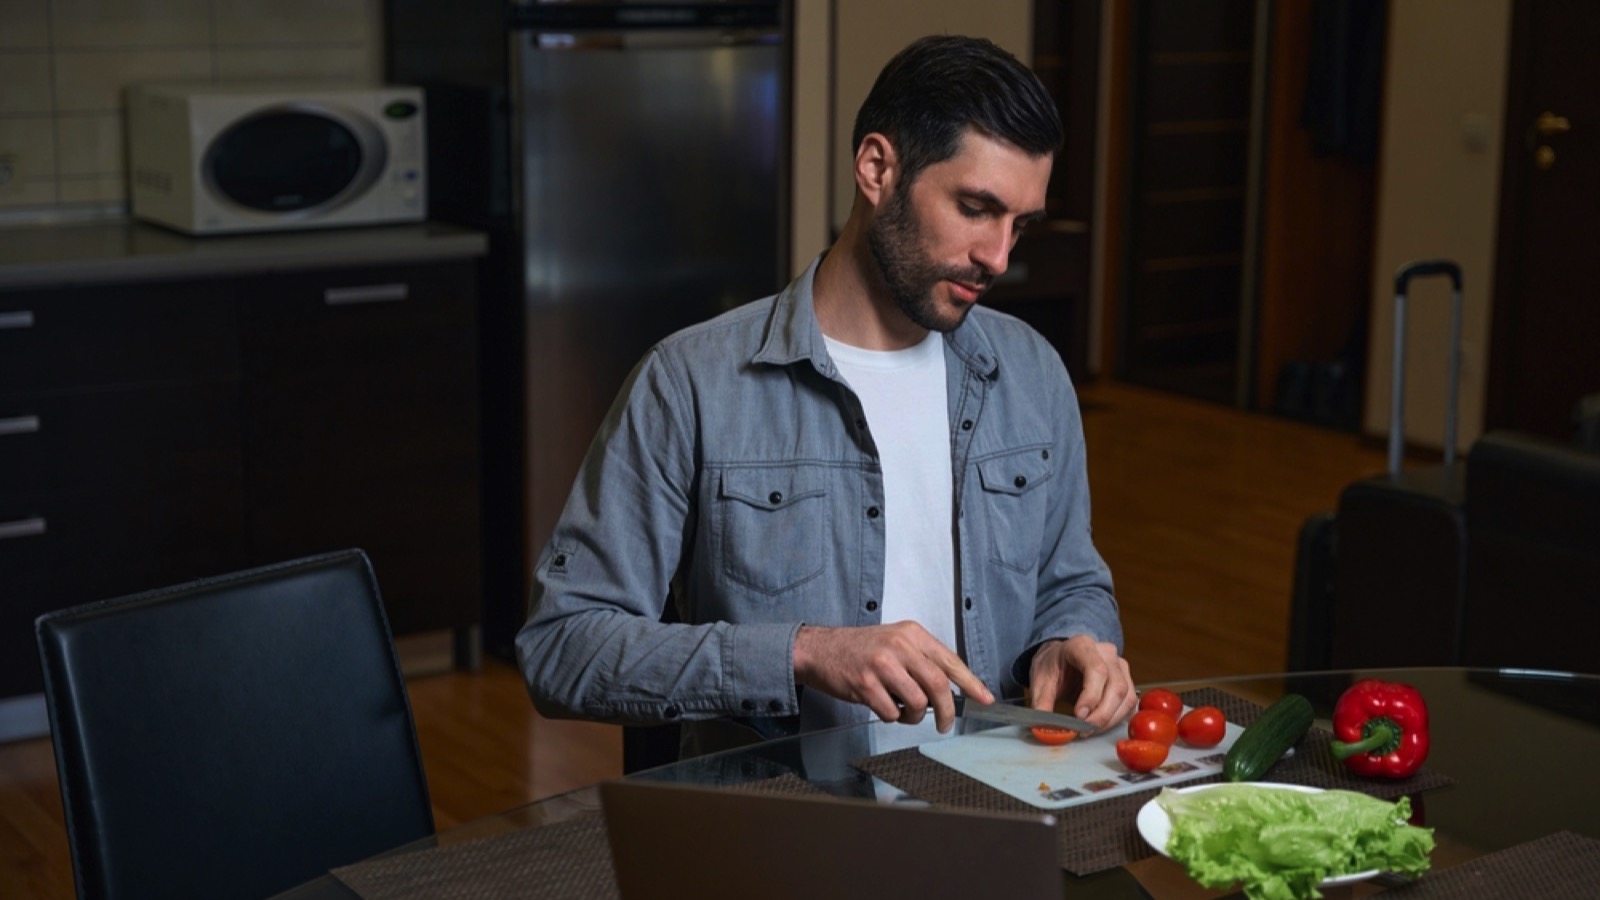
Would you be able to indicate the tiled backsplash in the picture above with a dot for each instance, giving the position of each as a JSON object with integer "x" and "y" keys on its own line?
{"x": 64, "y": 64}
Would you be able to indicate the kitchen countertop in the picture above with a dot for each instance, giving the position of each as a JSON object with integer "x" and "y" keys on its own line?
{"x": 108, "y": 252}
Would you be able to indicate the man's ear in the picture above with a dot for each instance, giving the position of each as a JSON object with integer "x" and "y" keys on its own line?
{"x": 877, "y": 167}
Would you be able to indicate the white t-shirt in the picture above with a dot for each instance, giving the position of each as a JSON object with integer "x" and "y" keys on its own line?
{"x": 904, "y": 395}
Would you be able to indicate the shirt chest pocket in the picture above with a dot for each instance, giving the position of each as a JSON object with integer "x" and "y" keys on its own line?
{"x": 1014, "y": 498}
{"x": 769, "y": 525}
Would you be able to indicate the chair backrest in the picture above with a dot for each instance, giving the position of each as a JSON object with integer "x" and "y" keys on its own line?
{"x": 1533, "y": 557}
{"x": 233, "y": 736}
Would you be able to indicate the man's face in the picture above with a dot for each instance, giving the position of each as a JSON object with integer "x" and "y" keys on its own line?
{"x": 941, "y": 241}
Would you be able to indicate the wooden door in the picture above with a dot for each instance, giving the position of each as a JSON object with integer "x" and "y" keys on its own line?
{"x": 1545, "y": 348}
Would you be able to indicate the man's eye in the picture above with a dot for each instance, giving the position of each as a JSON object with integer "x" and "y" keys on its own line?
{"x": 971, "y": 212}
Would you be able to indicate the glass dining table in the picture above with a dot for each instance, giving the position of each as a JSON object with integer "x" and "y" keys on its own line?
{"x": 1511, "y": 789}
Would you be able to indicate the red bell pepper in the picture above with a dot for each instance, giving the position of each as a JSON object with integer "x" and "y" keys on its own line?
{"x": 1381, "y": 729}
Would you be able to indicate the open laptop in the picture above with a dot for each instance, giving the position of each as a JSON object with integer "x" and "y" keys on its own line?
{"x": 673, "y": 840}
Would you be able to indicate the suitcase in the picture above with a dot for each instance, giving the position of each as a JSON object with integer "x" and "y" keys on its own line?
{"x": 1380, "y": 581}
{"x": 1311, "y": 610}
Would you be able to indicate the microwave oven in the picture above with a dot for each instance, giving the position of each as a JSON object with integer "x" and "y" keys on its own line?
{"x": 219, "y": 158}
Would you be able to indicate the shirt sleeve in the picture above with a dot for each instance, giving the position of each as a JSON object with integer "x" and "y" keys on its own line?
{"x": 1075, "y": 594}
{"x": 594, "y": 645}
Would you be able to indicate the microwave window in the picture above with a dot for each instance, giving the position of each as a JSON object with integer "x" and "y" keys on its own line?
{"x": 285, "y": 161}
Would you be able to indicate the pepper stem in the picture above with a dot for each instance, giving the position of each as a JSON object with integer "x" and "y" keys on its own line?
{"x": 1378, "y": 736}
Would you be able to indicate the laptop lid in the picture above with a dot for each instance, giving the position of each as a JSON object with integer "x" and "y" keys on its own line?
{"x": 673, "y": 840}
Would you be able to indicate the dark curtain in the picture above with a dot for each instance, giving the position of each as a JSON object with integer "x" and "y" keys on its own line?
{"x": 1344, "y": 87}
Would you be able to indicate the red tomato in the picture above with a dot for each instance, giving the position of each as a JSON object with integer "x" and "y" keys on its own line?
{"x": 1141, "y": 756}
{"x": 1053, "y": 736}
{"x": 1203, "y": 727}
{"x": 1153, "y": 725}
{"x": 1163, "y": 700}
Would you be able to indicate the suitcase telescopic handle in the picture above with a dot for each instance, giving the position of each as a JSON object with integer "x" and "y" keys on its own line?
{"x": 1402, "y": 279}
{"x": 1425, "y": 268}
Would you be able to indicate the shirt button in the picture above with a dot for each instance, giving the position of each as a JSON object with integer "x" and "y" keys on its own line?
{"x": 775, "y": 498}
{"x": 966, "y": 424}
{"x": 560, "y": 560}
{"x": 748, "y": 706}
{"x": 872, "y": 512}
{"x": 968, "y": 602}
{"x": 775, "y": 705}
{"x": 872, "y": 606}
{"x": 1020, "y": 481}
{"x": 671, "y": 712}
{"x": 1045, "y": 454}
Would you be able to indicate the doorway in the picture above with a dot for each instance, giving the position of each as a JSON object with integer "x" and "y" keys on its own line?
{"x": 1544, "y": 352}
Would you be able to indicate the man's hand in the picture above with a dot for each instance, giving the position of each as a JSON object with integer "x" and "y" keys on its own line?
{"x": 1089, "y": 669}
{"x": 897, "y": 670}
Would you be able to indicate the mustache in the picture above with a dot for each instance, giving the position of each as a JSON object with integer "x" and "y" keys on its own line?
{"x": 976, "y": 276}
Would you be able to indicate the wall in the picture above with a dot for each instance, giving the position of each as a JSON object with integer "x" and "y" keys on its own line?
{"x": 63, "y": 64}
{"x": 868, "y": 32}
{"x": 1438, "y": 194}
{"x": 813, "y": 139}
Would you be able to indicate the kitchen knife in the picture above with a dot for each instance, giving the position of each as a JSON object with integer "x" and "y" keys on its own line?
{"x": 1013, "y": 714}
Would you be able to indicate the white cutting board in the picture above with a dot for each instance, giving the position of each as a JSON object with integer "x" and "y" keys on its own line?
{"x": 1009, "y": 760}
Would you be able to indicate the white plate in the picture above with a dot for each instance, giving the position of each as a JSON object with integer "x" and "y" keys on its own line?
{"x": 1155, "y": 826}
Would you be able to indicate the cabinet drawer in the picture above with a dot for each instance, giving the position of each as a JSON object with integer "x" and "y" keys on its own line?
{"x": 88, "y": 337}
{"x": 361, "y": 415}
{"x": 389, "y": 371}
{"x": 161, "y": 439}
{"x": 328, "y": 318}
{"x": 65, "y": 551}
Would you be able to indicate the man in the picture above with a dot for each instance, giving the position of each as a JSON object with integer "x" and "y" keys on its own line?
{"x": 866, "y": 492}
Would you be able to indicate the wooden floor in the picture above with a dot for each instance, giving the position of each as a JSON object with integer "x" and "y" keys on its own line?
{"x": 1196, "y": 508}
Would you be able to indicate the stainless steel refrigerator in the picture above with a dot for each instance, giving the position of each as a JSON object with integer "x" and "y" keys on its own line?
{"x": 630, "y": 161}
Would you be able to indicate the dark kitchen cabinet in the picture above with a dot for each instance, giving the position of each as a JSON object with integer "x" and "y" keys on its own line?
{"x": 120, "y": 462}
{"x": 160, "y": 431}
{"x": 1191, "y": 203}
{"x": 361, "y": 428}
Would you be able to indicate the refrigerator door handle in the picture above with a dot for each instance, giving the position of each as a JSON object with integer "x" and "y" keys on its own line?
{"x": 571, "y": 18}
{"x": 592, "y": 41}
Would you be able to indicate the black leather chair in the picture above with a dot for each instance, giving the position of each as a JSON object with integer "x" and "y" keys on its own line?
{"x": 1533, "y": 559}
{"x": 233, "y": 736}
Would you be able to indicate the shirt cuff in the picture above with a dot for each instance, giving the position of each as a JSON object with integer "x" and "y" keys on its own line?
{"x": 760, "y": 670}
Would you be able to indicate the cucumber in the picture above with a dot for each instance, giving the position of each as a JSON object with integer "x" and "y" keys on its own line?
{"x": 1265, "y": 740}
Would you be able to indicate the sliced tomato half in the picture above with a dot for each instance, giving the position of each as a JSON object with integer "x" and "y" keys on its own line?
{"x": 1052, "y": 736}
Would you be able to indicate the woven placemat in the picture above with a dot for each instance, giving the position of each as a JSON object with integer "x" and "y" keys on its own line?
{"x": 565, "y": 860}
{"x": 1560, "y": 866}
{"x": 1102, "y": 835}
{"x": 570, "y": 859}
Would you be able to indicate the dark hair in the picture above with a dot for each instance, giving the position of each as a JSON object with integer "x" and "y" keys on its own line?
{"x": 937, "y": 87}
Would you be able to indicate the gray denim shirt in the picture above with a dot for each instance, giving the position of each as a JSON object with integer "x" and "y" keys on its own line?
{"x": 736, "y": 472}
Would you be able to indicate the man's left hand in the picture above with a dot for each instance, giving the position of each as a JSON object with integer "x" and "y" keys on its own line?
{"x": 1089, "y": 674}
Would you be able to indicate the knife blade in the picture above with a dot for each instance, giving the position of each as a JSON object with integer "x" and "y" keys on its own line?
{"x": 1013, "y": 714}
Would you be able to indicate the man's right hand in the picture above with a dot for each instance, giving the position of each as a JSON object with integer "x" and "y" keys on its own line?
{"x": 897, "y": 670}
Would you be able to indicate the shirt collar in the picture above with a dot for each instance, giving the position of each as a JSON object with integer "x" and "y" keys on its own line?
{"x": 793, "y": 333}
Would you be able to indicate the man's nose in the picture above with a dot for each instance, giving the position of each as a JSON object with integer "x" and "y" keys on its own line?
{"x": 993, "y": 253}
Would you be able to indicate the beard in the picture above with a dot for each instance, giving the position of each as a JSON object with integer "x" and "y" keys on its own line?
{"x": 895, "y": 239}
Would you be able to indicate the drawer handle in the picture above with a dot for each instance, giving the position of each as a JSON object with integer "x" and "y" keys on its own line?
{"x": 20, "y": 319}
{"x": 372, "y": 293}
{"x": 22, "y": 528}
{"x": 19, "y": 425}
